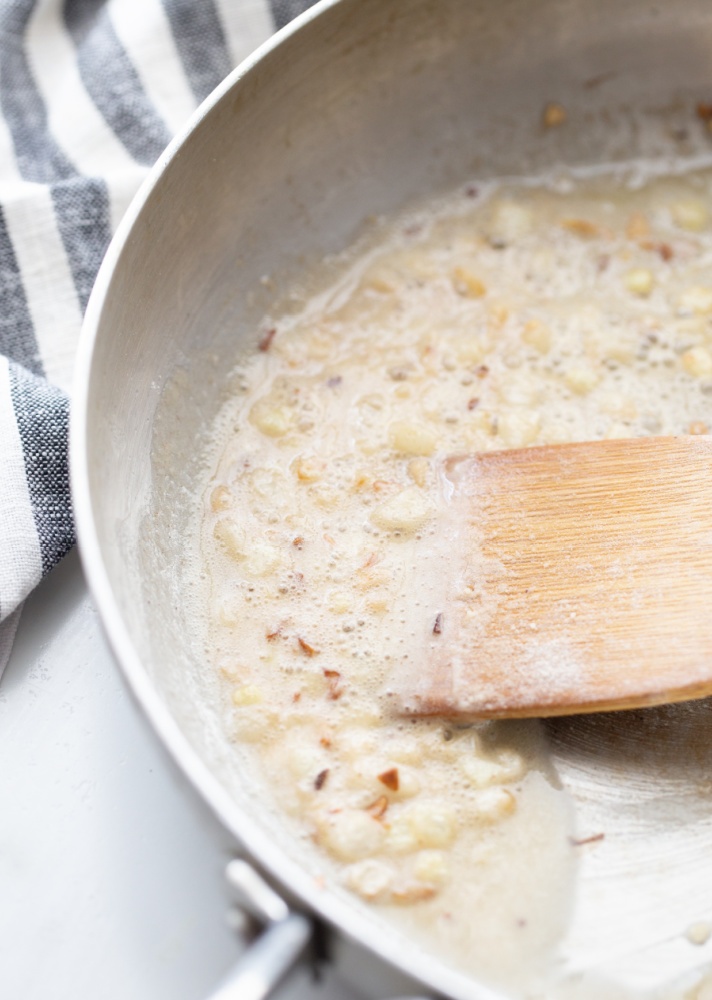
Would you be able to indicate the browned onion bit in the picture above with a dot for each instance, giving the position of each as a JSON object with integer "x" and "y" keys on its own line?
{"x": 333, "y": 678}
{"x": 390, "y": 779}
{"x": 267, "y": 338}
{"x": 378, "y": 808}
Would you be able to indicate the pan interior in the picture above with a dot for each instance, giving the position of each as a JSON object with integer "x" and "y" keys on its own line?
{"x": 364, "y": 109}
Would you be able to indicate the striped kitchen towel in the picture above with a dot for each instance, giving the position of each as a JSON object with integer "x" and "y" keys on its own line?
{"x": 91, "y": 91}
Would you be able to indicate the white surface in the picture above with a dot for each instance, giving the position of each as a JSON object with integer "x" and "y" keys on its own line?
{"x": 111, "y": 872}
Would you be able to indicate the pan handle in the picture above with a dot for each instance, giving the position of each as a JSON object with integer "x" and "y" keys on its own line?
{"x": 277, "y": 949}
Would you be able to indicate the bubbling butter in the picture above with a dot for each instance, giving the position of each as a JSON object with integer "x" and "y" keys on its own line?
{"x": 503, "y": 316}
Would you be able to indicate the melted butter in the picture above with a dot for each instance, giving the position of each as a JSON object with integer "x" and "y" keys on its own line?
{"x": 536, "y": 313}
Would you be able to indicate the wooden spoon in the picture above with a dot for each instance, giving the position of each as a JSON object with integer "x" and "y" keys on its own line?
{"x": 578, "y": 579}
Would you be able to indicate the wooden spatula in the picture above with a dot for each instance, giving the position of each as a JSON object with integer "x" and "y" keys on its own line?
{"x": 563, "y": 579}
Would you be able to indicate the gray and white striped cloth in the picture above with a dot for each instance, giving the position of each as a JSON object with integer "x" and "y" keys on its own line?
{"x": 91, "y": 91}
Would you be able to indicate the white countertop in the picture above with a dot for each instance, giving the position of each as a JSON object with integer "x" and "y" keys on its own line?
{"x": 111, "y": 872}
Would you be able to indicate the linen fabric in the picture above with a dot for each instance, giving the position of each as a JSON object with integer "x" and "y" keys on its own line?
{"x": 91, "y": 92}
